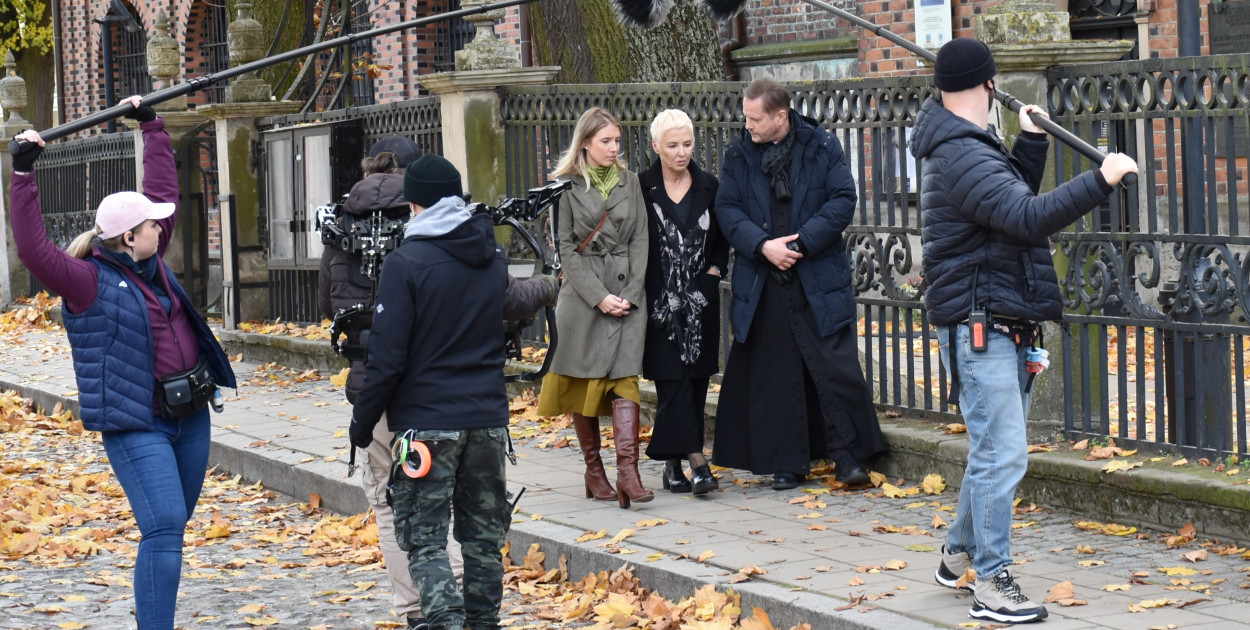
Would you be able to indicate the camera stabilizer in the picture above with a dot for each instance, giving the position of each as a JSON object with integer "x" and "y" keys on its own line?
{"x": 512, "y": 212}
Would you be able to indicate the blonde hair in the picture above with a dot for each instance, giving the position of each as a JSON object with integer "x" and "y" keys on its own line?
{"x": 669, "y": 120}
{"x": 574, "y": 162}
{"x": 82, "y": 244}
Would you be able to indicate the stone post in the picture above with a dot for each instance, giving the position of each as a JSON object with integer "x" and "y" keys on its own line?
{"x": 245, "y": 39}
{"x": 164, "y": 64}
{"x": 238, "y": 144}
{"x": 13, "y": 101}
{"x": 473, "y": 134}
{"x": 1027, "y": 37}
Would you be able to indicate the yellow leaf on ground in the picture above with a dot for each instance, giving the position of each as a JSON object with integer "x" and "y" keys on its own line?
{"x": 261, "y": 621}
{"x": 1117, "y": 587}
{"x": 933, "y": 484}
{"x": 71, "y": 625}
{"x": 705, "y": 555}
{"x": 340, "y": 379}
{"x": 1180, "y": 462}
{"x": 251, "y": 609}
{"x": 1175, "y": 571}
{"x": 592, "y": 535}
{"x": 876, "y": 478}
{"x": 1119, "y": 464}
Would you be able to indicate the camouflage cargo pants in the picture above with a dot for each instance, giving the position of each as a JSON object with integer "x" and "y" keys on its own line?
{"x": 467, "y": 472}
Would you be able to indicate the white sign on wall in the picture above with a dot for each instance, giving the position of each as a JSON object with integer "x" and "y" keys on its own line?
{"x": 933, "y": 22}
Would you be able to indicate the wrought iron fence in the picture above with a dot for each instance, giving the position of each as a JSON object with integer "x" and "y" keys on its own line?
{"x": 1157, "y": 287}
{"x": 870, "y": 118}
{"x": 419, "y": 119}
{"x": 74, "y": 176}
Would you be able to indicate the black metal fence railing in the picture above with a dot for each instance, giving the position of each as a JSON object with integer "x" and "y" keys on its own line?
{"x": 74, "y": 176}
{"x": 870, "y": 117}
{"x": 1157, "y": 286}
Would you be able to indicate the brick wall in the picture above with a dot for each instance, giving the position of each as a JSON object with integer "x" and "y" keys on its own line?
{"x": 409, "y": 53}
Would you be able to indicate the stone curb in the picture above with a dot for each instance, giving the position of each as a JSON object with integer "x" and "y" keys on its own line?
{"x": 677, "y": 579}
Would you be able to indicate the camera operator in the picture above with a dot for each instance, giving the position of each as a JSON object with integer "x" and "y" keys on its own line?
{"x": 435, "y": 370}
{"x": 343, "y": 284}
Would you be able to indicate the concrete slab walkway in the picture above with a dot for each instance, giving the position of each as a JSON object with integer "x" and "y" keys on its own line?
{"x": 831, "y": 558}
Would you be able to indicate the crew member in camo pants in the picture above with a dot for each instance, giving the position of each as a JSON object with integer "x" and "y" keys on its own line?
{"x": 436, "y": 359}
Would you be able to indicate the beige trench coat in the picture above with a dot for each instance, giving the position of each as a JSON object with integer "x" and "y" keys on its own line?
{"x": 592, "y": 344}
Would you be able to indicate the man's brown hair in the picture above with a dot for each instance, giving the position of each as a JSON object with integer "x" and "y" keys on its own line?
{"x": 773, "y": 95}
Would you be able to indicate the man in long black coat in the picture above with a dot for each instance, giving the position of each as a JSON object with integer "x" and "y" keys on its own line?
{"x": 793, "y": 390}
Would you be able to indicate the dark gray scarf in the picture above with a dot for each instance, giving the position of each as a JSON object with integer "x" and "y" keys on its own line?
{"x": 775, "y": 160}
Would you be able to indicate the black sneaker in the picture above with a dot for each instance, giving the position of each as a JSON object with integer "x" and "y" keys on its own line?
{"x": 417, "y": 623}
{"x": 999, "y": 599}
{"x": 952, "y": 567}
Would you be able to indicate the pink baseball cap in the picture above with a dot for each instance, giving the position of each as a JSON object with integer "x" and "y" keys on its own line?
{"x": 124, "y": 211}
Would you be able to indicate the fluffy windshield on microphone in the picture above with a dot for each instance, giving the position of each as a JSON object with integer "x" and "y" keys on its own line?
{"x": 651, "y": 13}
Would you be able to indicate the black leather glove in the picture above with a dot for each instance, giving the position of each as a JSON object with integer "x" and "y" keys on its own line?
{"x": 360, "y": 435}
{"x": 24, "y": 162}
{"x": 142, "y": 113}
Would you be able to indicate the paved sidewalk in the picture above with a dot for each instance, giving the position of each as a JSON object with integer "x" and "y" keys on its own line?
{"x": 812, "y": 551}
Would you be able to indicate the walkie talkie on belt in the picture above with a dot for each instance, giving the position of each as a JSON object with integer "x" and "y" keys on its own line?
{"x": 978, "y": 330}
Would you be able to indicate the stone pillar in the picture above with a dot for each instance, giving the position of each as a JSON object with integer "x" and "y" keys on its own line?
{"x": 470, "y": 105}
{"x": 238, "y": 139}
{"x": 13, "y": 101}
{"x": 165, "y": 63}
{"x": 1027, "y": 37}
{"x": 245, "y": 39}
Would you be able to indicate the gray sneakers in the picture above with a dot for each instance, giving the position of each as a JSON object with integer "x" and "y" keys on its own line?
{"x": 999, "y": 599}
{"x": 953, "y": 567}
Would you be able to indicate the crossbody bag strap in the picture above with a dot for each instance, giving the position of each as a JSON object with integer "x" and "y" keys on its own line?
{"x": 595, "y": 231}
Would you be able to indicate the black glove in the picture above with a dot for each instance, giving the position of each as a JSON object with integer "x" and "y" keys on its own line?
{"x": 360, "y": 435}
{"x": 24, "y": 162}
{"x": 142, "y": 113}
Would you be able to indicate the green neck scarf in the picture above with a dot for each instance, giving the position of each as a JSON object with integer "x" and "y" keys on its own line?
{"x": 604, "y": 179}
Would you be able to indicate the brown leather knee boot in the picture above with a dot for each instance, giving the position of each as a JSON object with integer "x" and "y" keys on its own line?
{"x": 628, "y": 483}
{"x": 597, "y": 485}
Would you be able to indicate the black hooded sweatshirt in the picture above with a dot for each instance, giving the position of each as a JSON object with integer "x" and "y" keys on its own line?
{"x": 436, "y": 351}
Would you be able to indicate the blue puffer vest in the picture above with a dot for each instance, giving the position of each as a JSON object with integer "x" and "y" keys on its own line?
{"x": 112, "y": 349}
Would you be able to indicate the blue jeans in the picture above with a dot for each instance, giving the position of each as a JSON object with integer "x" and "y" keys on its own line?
{"x": 994, "y": 407}
{"x": 162, "y": 472}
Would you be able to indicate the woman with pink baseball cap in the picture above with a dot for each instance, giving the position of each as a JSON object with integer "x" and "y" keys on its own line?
{"x": 146, "y": 362}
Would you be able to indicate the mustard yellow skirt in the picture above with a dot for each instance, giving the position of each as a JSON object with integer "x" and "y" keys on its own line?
{"x": 587, "y": 396}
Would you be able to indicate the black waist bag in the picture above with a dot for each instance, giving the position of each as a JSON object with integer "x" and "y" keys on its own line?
{"x": 184, "y": 393}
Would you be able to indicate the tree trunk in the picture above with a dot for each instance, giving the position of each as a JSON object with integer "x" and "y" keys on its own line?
{"x": 585, "y": 39}
{"x": 39, "y": 72}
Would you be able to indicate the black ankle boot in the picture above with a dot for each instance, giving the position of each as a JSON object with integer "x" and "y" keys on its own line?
{"x": 674, "y": 480}
{"x": 704, "y": 480}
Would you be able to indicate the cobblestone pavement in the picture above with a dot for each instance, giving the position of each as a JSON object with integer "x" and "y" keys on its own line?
{"x": 252, "y": 558}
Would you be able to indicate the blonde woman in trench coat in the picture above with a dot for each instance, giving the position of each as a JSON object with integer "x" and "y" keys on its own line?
{"x": 602, "y": 310}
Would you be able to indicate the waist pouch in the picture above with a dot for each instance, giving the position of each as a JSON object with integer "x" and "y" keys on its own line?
{"x": 184, "y": 393}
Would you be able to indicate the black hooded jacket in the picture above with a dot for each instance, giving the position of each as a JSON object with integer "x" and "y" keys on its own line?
{"x": 436, "y": 352}
{"x": 984, "y": 221}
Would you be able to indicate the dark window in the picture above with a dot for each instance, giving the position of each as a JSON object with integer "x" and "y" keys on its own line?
{"x": 130, "y": 58}
{"x": 213, "y": 45}
{"x": 362, "y": 58}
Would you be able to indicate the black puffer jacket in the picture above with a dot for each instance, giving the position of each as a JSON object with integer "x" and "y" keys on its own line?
{"x": 983, "y": 219}
{"x": 340, "y": 283}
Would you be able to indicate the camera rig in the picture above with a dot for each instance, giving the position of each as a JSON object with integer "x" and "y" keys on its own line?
{"x": 374, "y": 236}
{"x": 370, "y": 237}
{"x": 513, "y": 212}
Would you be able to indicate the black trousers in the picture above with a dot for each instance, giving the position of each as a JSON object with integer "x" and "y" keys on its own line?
{"x": 679, "y": 419}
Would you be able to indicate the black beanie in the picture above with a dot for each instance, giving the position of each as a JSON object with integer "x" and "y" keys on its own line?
{"x": 963, "y": 63}
{"x": 430, "y": 179}
{"x": 405, "y": 150}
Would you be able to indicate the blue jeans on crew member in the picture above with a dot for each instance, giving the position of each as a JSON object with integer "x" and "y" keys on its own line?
{"x": 994, "y": 406}
{"x": 162, "y": 472}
